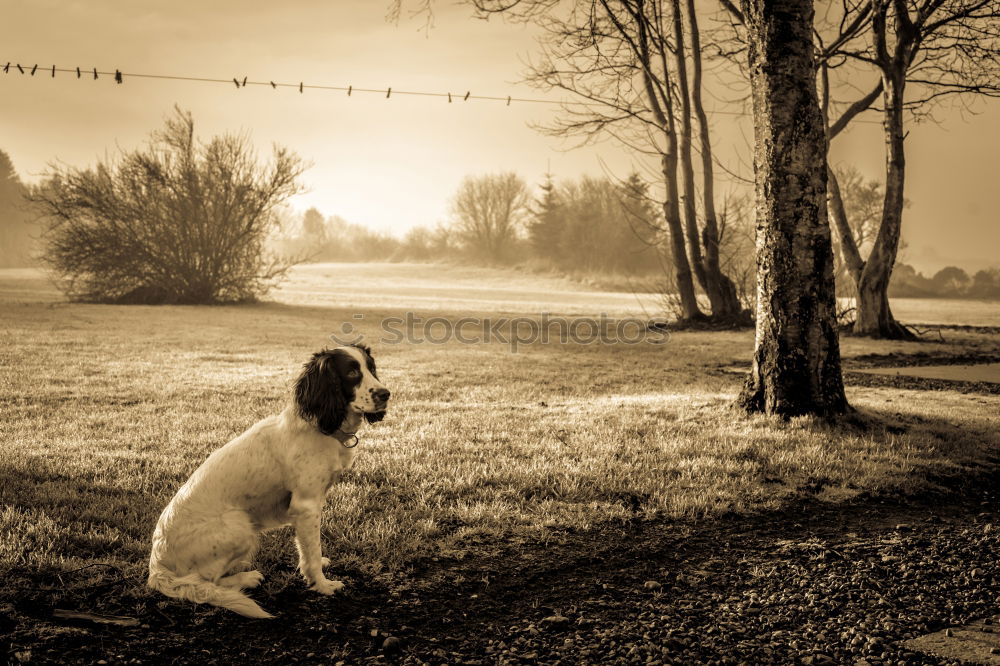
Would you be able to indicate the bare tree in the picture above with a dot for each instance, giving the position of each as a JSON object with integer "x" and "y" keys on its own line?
{"x": 178, "y": 222}
{"x": 796, "y": 360}
{"x": 719, "y": 287}
{"x": 626, "y": 62}
{"x": 922, "y": 52}
{"x": 718, "y": 281}
{"x": 489, "y": 212}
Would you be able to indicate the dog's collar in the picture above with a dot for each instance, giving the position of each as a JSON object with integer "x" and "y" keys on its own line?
{"x": 347, "y": 439}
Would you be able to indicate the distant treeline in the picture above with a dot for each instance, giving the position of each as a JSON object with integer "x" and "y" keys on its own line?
{"x": 949, "y": 282}
{"x": 584, "y": 226}
{"x": 589, "y": 227}
{"x": 18, "y": 235}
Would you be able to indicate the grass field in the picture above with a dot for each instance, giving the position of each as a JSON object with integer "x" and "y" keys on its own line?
{"x": 107, "y": 409}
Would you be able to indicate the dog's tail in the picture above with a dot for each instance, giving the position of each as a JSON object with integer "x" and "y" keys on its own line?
{"x": 193, "y": 587}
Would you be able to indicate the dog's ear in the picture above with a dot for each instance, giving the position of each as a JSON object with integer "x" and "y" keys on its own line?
{"x": 369, "y": 359}
{"x": 318, "y": 393}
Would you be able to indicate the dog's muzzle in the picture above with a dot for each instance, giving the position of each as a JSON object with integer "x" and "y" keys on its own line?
{"x": 381, "y": 399}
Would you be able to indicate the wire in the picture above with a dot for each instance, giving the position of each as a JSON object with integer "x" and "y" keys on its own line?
{"x": 301, "y": 86}
{"x": 119, "y": 76}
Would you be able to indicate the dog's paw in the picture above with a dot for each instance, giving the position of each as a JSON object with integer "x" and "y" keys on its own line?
{"x": 324, "y": 561}
{"x": 242, "y": 580}
{"x": 251, "y": 579}
{"x": 326, "y": 586}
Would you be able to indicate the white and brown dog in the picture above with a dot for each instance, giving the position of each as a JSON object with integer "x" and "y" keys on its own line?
{"x": 276, "y": 473}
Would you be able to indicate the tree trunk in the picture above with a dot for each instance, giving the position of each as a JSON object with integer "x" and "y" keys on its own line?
{"x": 720, "y": 289}
{"x": 671, "y": 212}
{"x": 874, "y": 316}
{"x": 684, "y": 139}
{"x": 853, "y": 263}
{"x": 664, "y": 115}
{"x": 796, "y": 361}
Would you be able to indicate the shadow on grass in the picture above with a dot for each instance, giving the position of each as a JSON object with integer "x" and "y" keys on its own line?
{"x": 442, "y": 600}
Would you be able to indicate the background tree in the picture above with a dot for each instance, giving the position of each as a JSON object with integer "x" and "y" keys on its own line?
{"x": 590, "y": 210}
{"x": 423, "y": 245}
{"x": 643, "y": 220}
{"x": 180, "y": 221}
{"x": 319, "y": 239}
{"x": 986, "y": 284}
{"x": 626, "y": 63}
{"x": 737, "y": 247}
{"x": 951, "y": 280}
{"x": 314, "y": 227}
{"x": 796, "y": 359}
{"x": 922, "y": 51}
{"x": 17, "y": 232}
{"x": 596, "y": 226}
{"x": 547, "y": 225}
{"x": 489, "y": 212}
{"x": 861, "y": 201}
{"x": 908, "y": 283}
{"x": 417, "y": 244}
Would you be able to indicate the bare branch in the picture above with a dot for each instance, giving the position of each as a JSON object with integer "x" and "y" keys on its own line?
{"x": 733, "y": 11}
{"x": 854, "y": 109}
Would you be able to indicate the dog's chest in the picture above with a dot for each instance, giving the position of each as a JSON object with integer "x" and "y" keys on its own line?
{"x": 343, "y": 462}
{"x": 333, "y": 479}
{"x": 316, "y": 463}
{"x": 330, "y": 465}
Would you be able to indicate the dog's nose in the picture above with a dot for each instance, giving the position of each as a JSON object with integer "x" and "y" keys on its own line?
{"x": 382, "y": 394}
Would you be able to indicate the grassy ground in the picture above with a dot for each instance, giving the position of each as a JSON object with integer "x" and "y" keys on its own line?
{"x": 105, "y": 410}
{"x": 453, "y": 288}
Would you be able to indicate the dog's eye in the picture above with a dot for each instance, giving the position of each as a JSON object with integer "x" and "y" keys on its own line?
{"x": 353, "y": 373}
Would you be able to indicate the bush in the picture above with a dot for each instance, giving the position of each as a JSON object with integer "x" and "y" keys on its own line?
{"x": 179, "y": 222}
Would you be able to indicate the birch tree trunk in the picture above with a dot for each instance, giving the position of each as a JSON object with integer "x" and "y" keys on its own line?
{"x": 796, "y": 360}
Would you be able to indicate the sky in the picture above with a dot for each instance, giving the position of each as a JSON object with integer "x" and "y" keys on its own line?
{"x": 392, "y": 164}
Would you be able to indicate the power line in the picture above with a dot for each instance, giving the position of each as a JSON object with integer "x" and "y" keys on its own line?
{"x": 120, "y": 76}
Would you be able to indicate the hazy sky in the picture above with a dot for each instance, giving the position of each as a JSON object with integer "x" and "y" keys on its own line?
{"x": 394, "y": 163}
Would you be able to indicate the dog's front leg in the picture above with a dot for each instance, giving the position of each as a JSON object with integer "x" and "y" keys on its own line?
{"x": 305, "y": 512}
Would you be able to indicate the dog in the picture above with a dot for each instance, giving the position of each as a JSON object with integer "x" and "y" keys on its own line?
{"x": 276, "y": 473}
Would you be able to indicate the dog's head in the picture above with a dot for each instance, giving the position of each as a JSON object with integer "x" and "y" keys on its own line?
{"x": 338, "y": 382}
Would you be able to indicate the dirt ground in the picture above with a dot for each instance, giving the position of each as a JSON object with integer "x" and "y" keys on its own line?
{"x": 813, "y": 584}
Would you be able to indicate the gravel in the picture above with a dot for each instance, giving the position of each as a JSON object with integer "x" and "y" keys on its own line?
{"x": 848, "y": 595}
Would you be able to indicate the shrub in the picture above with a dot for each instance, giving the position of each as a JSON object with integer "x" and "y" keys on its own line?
{"x": 181, "y": 221}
